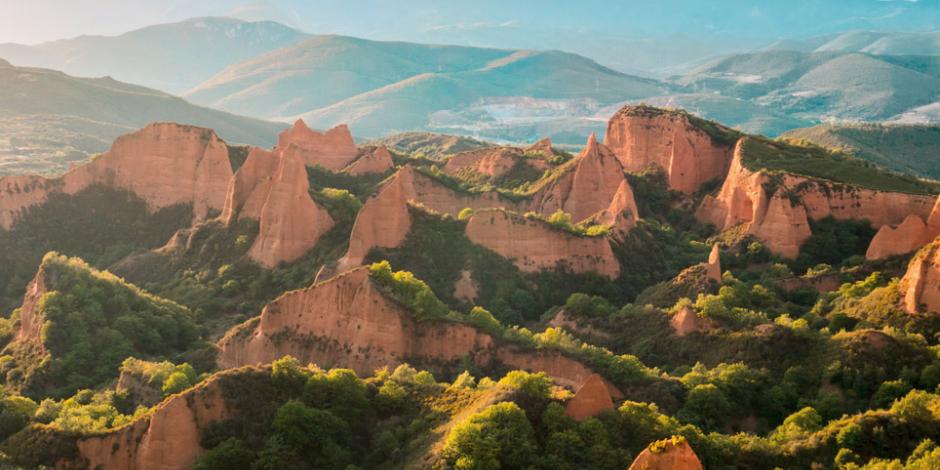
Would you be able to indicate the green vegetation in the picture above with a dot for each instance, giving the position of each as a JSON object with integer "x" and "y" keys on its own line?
{"x": 817, "y": 162}
{"x": 92, "y": 321}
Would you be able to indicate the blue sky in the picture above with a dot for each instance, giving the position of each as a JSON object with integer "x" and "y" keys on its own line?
{"x": 31, "y": 21}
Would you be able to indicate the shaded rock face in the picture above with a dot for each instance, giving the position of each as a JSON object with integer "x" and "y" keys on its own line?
{"x": 590, "y": 400}
{"x": 543, "y": 146}
{"x": 31, "y": 320}
{"x": 713, "y": 266}
{"x": 465, "y": 288}
{"x": 670, "y": 454}
{"x": 688, "y": 155}
{"x": 534, "y": 245}
{"x": 372, "y": 160}
{"x": 348, "y": 322}
{"x": 920, "y": 286}
{"x": 909, "y": 236}
{"x": 686, "y": 321}
{"x": 164, "y": 164}
{"x": 333, "y": 149}
{"x": 169, "y": 439}
{"x": 777, "y": 209}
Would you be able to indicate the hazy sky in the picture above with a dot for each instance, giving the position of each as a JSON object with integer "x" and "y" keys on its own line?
{"x": 31, "y": 21}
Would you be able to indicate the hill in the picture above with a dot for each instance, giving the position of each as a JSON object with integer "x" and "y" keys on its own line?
{"x": 384, "y": 87}
{"x": 905, "y": 148}
{"x": 172, "y": 57}
{"x": 869, "y": 42}
{"x": 55, "y": 119}
{"x": 823, "y": 84}
{"x": 430, "y": 145}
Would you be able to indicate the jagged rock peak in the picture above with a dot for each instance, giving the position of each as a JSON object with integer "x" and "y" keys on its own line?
{"x": 591, "y": 399}
{"x": 673, "y": 453}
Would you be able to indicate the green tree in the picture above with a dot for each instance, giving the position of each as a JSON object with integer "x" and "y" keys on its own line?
{"x": 498, "y": 437}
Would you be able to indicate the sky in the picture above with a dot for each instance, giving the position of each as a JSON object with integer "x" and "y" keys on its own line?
{"x": 33, "y": 21}
{"x": 645, "y": 37}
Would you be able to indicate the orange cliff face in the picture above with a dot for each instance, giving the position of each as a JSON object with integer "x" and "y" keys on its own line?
{"x": 371, "y": 160}
{"x": 168, "y": 439}
{"x": 641, "y": 136}
{"x": 273, "y": 189}
{"x": 534, "y": 245}
{"x": 907, "y": 237}
{"x": 669, "y": 454}
{"x": 920, "y": 286}
{"x": 333, "y": 149}
{"x": 494, "y": 162}
{"x": 164, "y": 164}
{"x": 780, "y": 218}
{"x": 591, "y": 399}
{"x": 593, "y": 187}
{"x": 348, "y": 322}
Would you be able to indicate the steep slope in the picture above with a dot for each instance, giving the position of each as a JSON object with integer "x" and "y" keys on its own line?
{"x": 164, "y": 163}
{"x": 906, "y": 148}
{"x": 919, "y": 286}
{"x": 52, "y": 112}
{"x": 429, "y": 145}
{"x": 349, "y": 321}
{"x": 69, "y": 309}
{"x": 172, "y": 57}
{"x": 775, "y": 189}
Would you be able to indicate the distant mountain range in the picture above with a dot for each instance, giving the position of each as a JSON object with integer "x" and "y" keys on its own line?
{"x": 170, "y": 57}
{"x": 270, "y": 71}
{"x": 49, "y": 119}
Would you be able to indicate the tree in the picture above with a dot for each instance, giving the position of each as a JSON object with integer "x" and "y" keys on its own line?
{"x": 317, "y": 436}
{"x": 498, "y": 437}
{"x": 707, "y": 406}
{"x": 229, "y": 454}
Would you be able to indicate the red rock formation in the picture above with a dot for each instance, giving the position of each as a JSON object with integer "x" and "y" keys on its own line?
{"x": 347, "y": 321}
{"x": 780, "y": 219}
{"x": 273, "y": 189}
{"x": 534, "y": 245}
{"x": 909, "y": 236}
{"x": 686, "y": 321}
{"x": 493, "y": 162}
{"x": 713, "y": 266}
{"x": 588, "y": 188}
{"x": 920, "y": 285}
{"x": 543, "y": 146}
{"x": 642, "y": 136}
{"x": 465, "y": 288}
{"x": 590, "y": 400}
{"x": 372, "y": 160}
{"x": 333, "y": 149}
{"x": 31, "y": 319}
{"x": 168, "y": 439}
{"x": 164, "y": 164}
{"x": 674, "y": 453}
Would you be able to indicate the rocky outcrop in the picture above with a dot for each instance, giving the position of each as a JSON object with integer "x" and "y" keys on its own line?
{"x": 920, "y": 286}
{"x": 164, "y": 164}
{"x": 590, "y": 400}
{"x": 533, "y": 245}
{"x": 590, "y": 188}
{"x": 687, "y": 321}
{"x": 713, "y": 265}
{"x": 492, "y": 162}
{"x": 168, "y": 439}
{"x": 333, "y": 149}
{"x": 543, "y": 147}
{"x": 465, "y": 288}
{"x": 272, "y": 188}
{"x": 641, "y": 137}
{"x": 674, "y": 453}
{"x": 907, "y": 237}
{"x": 776, "y": 208}
{"x": 347, "y": 321}
{"x": 31, "y": 319}
{"x": 371, "y": 160}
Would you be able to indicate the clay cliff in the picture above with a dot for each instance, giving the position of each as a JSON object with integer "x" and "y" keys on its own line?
{"x": 590, "y": 400}
{"x": 687, "y": 321}
{"x": 371, "y": 160}
{"x": 641, "y": 137}
{"x": 494, "y": 162}
{"x": 273, "y": 189}
{"x": 164, "y": 164}
{"x": 674, "y": 453}
{"x": 534, "y": 245}
{"x": 168, "y": 439}
{"x": 920, "y": 286}
{"x": 333, "y": 149}
{"x": 913, "y": 233}
{"x": 713, "y": 265}
{"x": 348, "y": 322}
{"x": 777, "y": 207}
{"x": 591, "y": 187}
